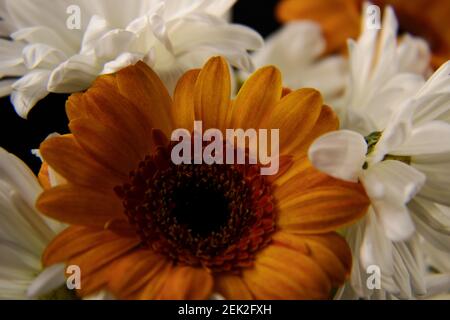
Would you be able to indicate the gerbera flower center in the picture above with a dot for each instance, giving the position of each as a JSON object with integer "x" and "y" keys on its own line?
{"x": 201, "y": 207}
{"x": 217, "y": 216}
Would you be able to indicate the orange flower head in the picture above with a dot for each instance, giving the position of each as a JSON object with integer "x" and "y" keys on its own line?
{"x": 146, "y": 228}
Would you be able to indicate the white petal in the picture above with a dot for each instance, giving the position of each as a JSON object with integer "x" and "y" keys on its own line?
{"x": 438, "y": 284}
{"x": 97, "y": 28}
{"x": 412, "y": 260}
{"x": 42, "y": 56}
{"x": 296, "y": 42}
{"x": 437, "y": 239}
{"x": 194, "y": 42}
{"x": 437, "y": 258}
{"x": 48, "y": 280}
{"x": 340, "y": 154}
{"x": 439, "y": 82}
{"x": 376, "y": 249}
{"x": 354, "y": 237}
{"x": 6, "y": 87}
{"x": 113, "y": 43}
{"x": 52, "y": 16}
{"x": 20, "y": 188}
{"x": 386, "y": 49}
{"x": 13, "y": 289}
{"x": 187, "y": 36}
{"x": 17, "y": 174}
{"x": 296, "y": 50}
{"x": 390, "y": 185}
{"x": 11, "y": 61}
{"x": 29, "y": 90}
{"x": 159, "y": 28}
{"x": 430, "y": 138}
{"x": 434, "y": 106}
{"x": 397, "y": 131}
{"x": 44, "y": 35}
{"x": 413, "y": 55}
{"x": 170, "y": 76}
{"x": 390, "y": 96}
{"x": 122, "y": 61}
{"x": 432, "y": 215}
{"x": 401, "y": 276}
{"x": 437, "y": 169}
{"x": 20, "y": 263}
{"x": 76, "y": 74}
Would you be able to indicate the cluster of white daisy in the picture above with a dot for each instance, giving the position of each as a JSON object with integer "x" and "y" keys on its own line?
{"x": 394, "y": 114}
{"x": 44, "y": 55}
{"x": 395, "y": 140}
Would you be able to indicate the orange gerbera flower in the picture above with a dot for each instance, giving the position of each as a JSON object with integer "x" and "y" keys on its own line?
{"x": 341, "y": 19}
{"x": 145, "y": 228}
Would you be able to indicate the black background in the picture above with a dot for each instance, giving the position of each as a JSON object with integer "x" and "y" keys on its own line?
{"x": 19, "y": 136}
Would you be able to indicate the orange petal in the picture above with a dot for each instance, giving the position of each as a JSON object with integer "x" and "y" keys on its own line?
{"x": 76, "y": 240}
{"x": 187, "y": 283}
{"x": 136, "y": 270}
{"x": 112, "y": 109}
{"x": 283, "y": 273}
{"x": 75, "y": 106}
{"x": 68, "y": 159}
{"x": 295, "y": 116}
{"x": 142, "y": 85}
{"x": 232, "y": 287}
{"x": 299, "y": 178}
{"x": 80, "y": 206}
{"x": 44, "y": 177}
{"x": 106, "y": 81}
{"x": 154, "y": 288}
{"x": 285, "y": 163}
{"x": 93, "y": 283}
{"x": 329, "y": 251}
{"x": 183, "y": 114}
{"x": 121, "y": 227}
{"x": 107, "y": 146}
{"x": 103, "y": 254}
{"x": 256, "y": 99}
{"x": 212, "y": 93}
{"x": 328, "y": 121}
{"x": 322, "y": 209}
{"x": 91, "y": 249}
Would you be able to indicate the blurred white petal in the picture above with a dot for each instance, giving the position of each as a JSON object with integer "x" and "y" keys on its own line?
{"x": 48, "y": 280}
{"x": 430, "y": 138}
{"x": 28, "y": 90}
{"x": 340, "y": 154}
{"x": 390, "y": 185}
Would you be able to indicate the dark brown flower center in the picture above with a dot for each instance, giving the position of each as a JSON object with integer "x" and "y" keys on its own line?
{"x": 217, "y": 216}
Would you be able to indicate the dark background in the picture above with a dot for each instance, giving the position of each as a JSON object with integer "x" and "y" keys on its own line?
{"x": 19, "y": 136}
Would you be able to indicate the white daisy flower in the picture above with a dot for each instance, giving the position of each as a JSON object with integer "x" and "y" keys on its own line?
{"x": 397, "y": 144}
{"x": 24, "y": 235}
{"x": 296, "y": 49}
{"x": 170, "y": 35}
